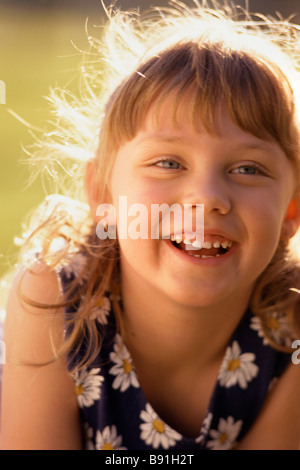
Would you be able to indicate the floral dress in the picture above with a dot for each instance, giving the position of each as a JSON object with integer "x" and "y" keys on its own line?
{"x": 116, "y": 415}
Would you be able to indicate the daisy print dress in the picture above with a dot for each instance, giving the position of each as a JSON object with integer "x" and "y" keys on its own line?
{"x": 116, "y": 415}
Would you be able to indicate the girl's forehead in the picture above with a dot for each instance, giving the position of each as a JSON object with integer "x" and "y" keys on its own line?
{"x": 173, "y": 115}
{"x": 160, "y": 126}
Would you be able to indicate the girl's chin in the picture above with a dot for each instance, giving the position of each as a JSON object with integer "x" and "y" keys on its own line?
{"x": 172, "y": 275}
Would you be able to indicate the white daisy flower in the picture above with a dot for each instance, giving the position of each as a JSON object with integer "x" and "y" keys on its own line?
{"x": 122, "y": 368}
{"x": 277, "y": 326}
{"x": 87, "y": 386}
{"x": 155, "y": 432}
{"x": 88, "y": 435}
{"x": 237, "y": 368}
{"x": 101, "y": 310}
{"x": 225, "y": 436}
{"x": 108, "y": 439}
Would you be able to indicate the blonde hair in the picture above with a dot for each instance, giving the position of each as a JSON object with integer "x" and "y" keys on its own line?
{"x": 222, "y": 56}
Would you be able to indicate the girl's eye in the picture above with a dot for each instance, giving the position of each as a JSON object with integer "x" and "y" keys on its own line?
{"x": 248, "y": 170}
{"x": 169, "y": 164}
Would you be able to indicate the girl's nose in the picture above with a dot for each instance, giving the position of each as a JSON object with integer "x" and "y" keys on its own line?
{"x": 211, "y": 191}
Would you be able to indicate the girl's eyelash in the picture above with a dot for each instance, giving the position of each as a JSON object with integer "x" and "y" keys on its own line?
{"x": 252, "y": 169}
{"x": 164, "y": 162}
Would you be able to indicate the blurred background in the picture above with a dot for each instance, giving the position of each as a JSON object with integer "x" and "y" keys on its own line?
{"x": 37, "y": 39}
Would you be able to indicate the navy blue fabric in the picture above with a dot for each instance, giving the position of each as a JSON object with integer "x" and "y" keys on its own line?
{"x": 116, "y": 415}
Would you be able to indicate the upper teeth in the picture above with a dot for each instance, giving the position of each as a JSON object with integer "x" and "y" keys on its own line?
{"x": 197, "y": 244}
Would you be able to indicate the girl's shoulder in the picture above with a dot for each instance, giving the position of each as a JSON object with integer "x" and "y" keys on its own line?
{"x": 33, "y": 375}
{"x": 32, "y": 312}
{"x": 278, "y": 424}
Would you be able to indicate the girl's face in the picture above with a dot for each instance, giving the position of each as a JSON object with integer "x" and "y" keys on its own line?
{"x": 245, "y": 185}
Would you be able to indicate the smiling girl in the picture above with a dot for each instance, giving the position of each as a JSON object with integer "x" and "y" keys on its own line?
{"x": 161, "y": 343}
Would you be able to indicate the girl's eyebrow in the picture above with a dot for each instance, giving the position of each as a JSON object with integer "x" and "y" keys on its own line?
{"x": 156, "y": 138}
{"x": 261, "y": 145}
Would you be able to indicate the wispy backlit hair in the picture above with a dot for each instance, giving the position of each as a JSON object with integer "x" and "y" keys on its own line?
{"x": 209, "y": 57}
{"x": 219, "y": 59}
{"x": 223, "y": 55}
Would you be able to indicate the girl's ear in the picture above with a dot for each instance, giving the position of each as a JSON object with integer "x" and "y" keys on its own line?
{"x": 95, "y": 192}
{"x": 291, "y": 221}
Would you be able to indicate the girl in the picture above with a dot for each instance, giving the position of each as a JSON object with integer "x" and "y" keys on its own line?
{"x": 164, "y": 343}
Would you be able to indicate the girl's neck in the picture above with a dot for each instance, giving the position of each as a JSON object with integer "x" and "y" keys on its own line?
{"x": 177, "y": 351}
{"x": 160, "y": 331}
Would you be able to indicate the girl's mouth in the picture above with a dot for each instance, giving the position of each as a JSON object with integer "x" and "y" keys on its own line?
{"x": 207, "y": 249}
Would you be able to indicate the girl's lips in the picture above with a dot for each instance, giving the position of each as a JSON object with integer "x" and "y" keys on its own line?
{"x": 209, "y": 248}
{"x": 209, "y": 255}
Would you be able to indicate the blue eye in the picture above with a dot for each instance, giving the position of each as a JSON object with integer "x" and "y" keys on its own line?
{"x": 169, "y": 164}
{"x": 247, "y": 170}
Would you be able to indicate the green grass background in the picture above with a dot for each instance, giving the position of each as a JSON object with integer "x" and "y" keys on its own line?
{"x": 36, "y": 52}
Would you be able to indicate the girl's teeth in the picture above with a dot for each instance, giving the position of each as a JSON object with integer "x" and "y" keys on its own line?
{"x": 204, "y": 256}
{"x": 176, "y": 238}
{"x": 207, "y": 245}
{"x": 226, "y": 244}
{"x": 197, "y": 244}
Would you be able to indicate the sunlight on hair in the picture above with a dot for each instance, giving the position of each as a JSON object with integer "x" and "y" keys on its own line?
{"x": 117, "y": 50}
{"x": 295, "y": 245}
{"x": 58, "y": 244}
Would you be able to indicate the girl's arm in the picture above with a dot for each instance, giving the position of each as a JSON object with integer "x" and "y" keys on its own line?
{"x": 38, "y": 403}
{"x": 278, "y": 425}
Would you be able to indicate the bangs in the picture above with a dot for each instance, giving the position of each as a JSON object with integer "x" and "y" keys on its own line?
{"x": 254, "y": 90}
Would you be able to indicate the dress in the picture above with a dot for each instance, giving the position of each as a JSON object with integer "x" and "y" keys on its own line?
{"x": 116, "y": 415}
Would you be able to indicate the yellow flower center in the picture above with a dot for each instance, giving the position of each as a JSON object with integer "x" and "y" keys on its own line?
{"x": 127, "y": 366}
{"x": 223, "y": 438}
{"x": 159, "y": 426}
{"x": 272, "y": 323}
{"x": 100, "y": 302}
{"x": 233, "y": 364}
{"x": 107, "y": 446}
{"x": 79, "y": 389}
